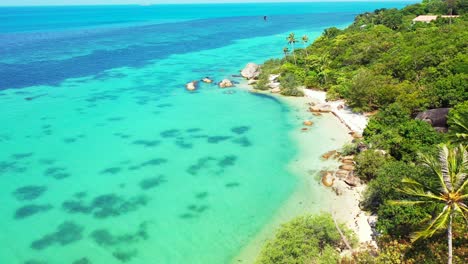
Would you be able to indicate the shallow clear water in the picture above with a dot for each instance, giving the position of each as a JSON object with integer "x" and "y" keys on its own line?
{"x": 105, "y": 156}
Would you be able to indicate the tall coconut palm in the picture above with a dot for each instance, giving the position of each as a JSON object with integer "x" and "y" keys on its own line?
{"x": 305, "y": 40}
{"x": 451, "y": 171}
{"x": 286, "y": 52}
{"x": 291, "y": 41}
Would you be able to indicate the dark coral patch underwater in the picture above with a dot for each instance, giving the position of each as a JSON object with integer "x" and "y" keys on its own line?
{"x": 67, "y": 233}
{"x": 212, "y": 165}
{"x": 217, "y": 139}
{"x": 227, "y": 161}
{"x": 30, "y": 192}
{"x": 232, "y": 184}
{"x": 201, "y": 163}
{"x": 30, "y": 210}
{"x": 20, "y": 156}
{"x": 125, "y": 255}
{"x": 111, "y": 170}
{"x": 147, "y": 143}
{"x": 243, "y": 141}
{"x": 240, "y": 129}
{"x": 56, "y": 173}
{"x": 83, "y": 260}
{"x": 149, "y": 163}
{"x": 35, "y": 261}
{"x": 104, "y": 206}
{"x": 170, "y": 133}
{"x": 152, "y": 182}
{"x": 105, "y": 238}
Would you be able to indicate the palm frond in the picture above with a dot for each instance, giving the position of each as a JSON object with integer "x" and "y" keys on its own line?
{"x": 419, "y": 192}
{"x": 406, "y": 202}
{"x": 435, "y": 167}
{"x": 462, "y": 175}
{"x": 438, "y": 223}
{"x": 447, "y": 163}
{"x": 462, "y": 210}
{"x": 463, "y": 182}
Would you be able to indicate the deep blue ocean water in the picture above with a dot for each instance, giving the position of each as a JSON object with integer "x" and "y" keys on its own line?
{"x": 106, "y": 158}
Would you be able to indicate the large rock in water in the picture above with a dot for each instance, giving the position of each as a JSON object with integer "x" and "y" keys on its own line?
{"x": 191, "y": 86}
{"x": 225, "y": 83}
{"x": 435, "y": 117}
{"x": 328, "y": 179}
{"x": 207, "y": 80}
{"x": 251, "y": 71}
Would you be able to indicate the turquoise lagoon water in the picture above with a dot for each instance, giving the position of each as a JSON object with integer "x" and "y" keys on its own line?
{"x": 105, "y": 158}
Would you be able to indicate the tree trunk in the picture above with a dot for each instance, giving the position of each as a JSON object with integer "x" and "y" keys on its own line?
{"x": 343, "y": 237}
{"x": 449, "y": 236}
{"x": 294, "y": 55}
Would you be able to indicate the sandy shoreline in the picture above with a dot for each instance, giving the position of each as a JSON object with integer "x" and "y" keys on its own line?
{"x": 344, "y": 207}
{"x": 354, "y": 121}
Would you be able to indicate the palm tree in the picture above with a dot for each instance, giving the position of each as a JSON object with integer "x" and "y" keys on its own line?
{"x": 321, "y": 66}
{"x": 305, "y": 40}
{"x": 285, "y": 51}
{"x": 451, "y": 170}
{"x": 291, "y": 41}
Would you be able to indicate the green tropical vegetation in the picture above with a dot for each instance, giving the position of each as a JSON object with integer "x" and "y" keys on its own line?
{"x": 417, "y": 183}
{"x": 307, "y": 239}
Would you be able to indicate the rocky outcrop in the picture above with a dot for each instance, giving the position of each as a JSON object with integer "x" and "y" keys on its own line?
{"x": 308, "y": 123}
{"x": 191, "y": 86}
{"x": 273, "y": 77}
{"x": 327, "y": 179}
{"x": 342, "y": 174}
{"x": 251, "y": 71}
{"x": 352, "y": 180}
{"x": 321, "y": 108}
{"x": 252, "y": 82}
{"x": 207, "y": 80}
{"x": 275, "y": 90}
{"x": 437, "y": 118}
{"x": 273, "y": 83}
{"x": 329, "y": 154}
{"x": 347, "y": 167}
{"x": 225, "y": 83}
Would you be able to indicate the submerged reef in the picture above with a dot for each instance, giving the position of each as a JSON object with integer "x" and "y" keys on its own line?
{"x": 30, "y": 210}
{"x": 29, "y": 192}
{"x": 104, "y": 206}
{"x": 152, "y": 182}
{"x": 67, "y": 233}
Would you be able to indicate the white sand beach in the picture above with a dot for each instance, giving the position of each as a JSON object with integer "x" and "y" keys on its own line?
{"x": 356, "y": 122}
